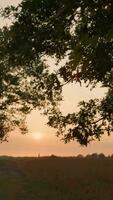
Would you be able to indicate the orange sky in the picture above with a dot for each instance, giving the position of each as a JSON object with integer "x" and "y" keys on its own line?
{"x": 41, "y": 138}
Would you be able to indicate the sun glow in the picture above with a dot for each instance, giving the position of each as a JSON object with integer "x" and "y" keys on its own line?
{"x": 37, "y": 135}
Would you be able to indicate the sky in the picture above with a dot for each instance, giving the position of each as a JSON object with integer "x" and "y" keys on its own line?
{"x": 41, "y": 139}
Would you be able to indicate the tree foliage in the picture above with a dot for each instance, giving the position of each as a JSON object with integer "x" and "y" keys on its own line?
{"x": 81, "y": 31}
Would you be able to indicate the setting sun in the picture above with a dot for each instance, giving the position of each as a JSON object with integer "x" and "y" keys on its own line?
{"x": 37, "y": 135}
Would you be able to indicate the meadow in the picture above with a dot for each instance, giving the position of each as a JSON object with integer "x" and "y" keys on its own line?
{"x": 54, "y": 178}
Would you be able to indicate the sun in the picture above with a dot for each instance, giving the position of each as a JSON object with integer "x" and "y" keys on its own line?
{"x": 37, "y": 135}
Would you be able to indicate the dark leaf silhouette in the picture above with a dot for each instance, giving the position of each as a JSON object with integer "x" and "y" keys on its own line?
{"x": 80, "y": 30}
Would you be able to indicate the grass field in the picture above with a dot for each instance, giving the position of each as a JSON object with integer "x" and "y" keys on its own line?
{"x": 56, "y": 179}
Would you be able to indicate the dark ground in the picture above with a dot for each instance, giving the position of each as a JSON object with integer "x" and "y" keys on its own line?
{"x": 56, "y": 179}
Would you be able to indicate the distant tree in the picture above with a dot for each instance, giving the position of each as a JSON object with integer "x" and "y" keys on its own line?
{"x": 94, "y": 155}
{"x": 39, "y": 155}
{"x": 111, "y": 156}
{"x": 88, "y": 156}
{"x": 53, "y": 156}
{"x": 80, "y": 31}
{"x": 101, "y": 155}
{"x": 80, "y": 156}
